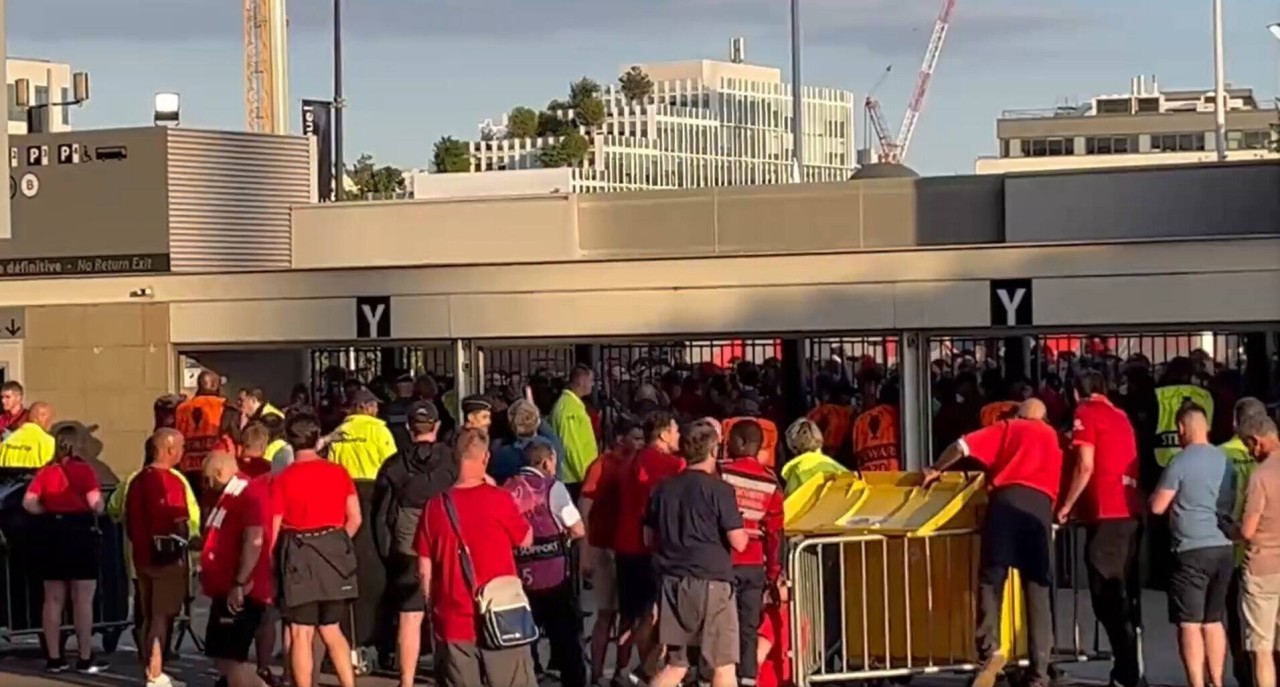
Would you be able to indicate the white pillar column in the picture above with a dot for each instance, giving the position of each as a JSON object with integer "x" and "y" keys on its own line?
{"x": 916, "y": 404}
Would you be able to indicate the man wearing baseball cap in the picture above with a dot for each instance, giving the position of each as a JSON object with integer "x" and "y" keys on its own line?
{"x": 363, "y": 442}
{"x": 418, "y": 472}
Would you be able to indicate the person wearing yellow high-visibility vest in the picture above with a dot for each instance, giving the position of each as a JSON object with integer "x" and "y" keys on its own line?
{"x": 362, "y": 443}
{"x": 1175, "y": 391}
{"x": 30, "y": 446}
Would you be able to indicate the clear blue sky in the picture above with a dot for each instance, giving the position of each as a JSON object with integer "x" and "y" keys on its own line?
{"x": 420, "y": 69}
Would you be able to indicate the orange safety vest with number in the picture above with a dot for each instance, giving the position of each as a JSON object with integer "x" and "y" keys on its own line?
{"x": 199, "y": 419}
{"x": 997, "y": 411}
{"x": 875, "y": 440}
{"x": 768, "y": 450}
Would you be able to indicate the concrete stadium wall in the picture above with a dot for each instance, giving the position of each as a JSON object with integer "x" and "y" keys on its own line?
{"x": 101, "y": 365}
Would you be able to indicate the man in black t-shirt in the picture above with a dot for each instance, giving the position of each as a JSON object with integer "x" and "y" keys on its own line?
{"x": 691, "y": 524}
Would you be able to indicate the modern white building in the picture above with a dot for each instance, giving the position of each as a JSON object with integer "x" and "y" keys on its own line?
{"x": 707, "y": 123}
{"x": 50, "y": 83}
{"x": 1146, "y": 126}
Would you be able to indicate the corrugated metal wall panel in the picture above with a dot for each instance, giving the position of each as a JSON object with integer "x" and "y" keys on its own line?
{"x": 229, "y": 198}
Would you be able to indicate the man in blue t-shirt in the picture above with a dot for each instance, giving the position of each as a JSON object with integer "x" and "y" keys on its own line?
{"x": 1197, "y": 490}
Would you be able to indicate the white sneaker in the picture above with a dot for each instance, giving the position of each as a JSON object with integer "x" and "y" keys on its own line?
{"x": 161, "y": 680}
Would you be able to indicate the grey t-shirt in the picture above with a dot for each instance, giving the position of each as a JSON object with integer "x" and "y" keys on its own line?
{"x": 1201, "y": 479}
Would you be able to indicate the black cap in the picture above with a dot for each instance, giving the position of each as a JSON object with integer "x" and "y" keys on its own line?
{"x": 406, "y": 378}
{"x": 475, "y": 403}
{"x": 423, "y": 412}
{"x": 364, "y": 396}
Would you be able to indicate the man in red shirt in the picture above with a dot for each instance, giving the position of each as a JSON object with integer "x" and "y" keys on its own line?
{"x": 156, "y": 519}
{"x": 637, "y": 583}
{"x": 759, "y": 567}
{"x": 490, "y": 526}
{"x": 1023, "y": 462}
{"x": 14, "y": 413}
{"x": 601, "y": 485}
{"x": 235, "y": 567}
{"x": 1105, "y": 497}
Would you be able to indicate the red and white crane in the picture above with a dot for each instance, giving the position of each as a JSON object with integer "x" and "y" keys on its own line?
{"x": 895, "y": 150}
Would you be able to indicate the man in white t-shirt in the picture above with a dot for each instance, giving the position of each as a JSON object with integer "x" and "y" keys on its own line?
{"x": 544, "y": 566}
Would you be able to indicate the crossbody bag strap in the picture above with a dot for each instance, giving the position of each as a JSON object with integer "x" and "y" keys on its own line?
{"x": 464, "y": 554}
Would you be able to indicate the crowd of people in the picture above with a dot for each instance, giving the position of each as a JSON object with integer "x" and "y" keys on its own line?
{"x": 483, "y": 523}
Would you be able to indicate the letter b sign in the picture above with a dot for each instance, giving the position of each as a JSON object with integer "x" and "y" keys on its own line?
{"x": 1011, "y": 303}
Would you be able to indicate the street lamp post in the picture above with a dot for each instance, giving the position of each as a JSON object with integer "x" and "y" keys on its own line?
{"x": 797, "y": 101}
{"x": 338, "y": 104}
{"x": 1219, "y": 84}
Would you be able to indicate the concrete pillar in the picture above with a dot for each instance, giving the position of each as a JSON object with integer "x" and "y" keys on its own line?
{"x": 793, "y": 382}
{"x": 916, "y": 402}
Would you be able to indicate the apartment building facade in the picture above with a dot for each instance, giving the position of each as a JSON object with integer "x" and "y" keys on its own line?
{"x": 707, "y": 123}
{"x": 50, "y": 83}
{"x": 1146, "y": 126}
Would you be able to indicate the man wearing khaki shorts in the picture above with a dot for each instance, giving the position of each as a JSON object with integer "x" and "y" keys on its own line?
{"x": 690, "y": 518}
{"x": 1260, "y": 527}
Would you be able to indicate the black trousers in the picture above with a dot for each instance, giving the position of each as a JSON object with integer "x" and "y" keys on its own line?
{"x": 1111, "y": 560}
{"x": 1017, "y": 533}
{"x": 749, "y": 582}
{"x": 557, "y": 612}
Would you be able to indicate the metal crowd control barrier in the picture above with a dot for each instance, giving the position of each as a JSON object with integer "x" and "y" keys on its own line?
{"x": 874, "y": 607}
{"x": 22, "y": 591}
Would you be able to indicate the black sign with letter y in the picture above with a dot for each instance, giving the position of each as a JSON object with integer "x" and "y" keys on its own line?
{"x": 1011, "y": 303}
{"x": 373, "y": 317}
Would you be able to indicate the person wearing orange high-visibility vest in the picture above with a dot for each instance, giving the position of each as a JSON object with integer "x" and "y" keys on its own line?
{"x": 199, "y": 419}
{"x": 877, "y": 445}
{"x": 749, "y": 409}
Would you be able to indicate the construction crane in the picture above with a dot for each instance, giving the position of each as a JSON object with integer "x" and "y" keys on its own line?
{"x": 266, "y": 66}
{"x": 895, "y": 150}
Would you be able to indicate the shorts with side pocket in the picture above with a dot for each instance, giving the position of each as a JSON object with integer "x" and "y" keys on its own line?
{"x": 693, "y": 612}
{"x": 1198, "y": 585}
{"x": 229, "y": 635}
{"x": 637, "y": 586}
{"x": 1260, "y": 610}
{"x": 604, "y": 581}
{"x": 317, "y": 613}
{"x": 163, "y": 589}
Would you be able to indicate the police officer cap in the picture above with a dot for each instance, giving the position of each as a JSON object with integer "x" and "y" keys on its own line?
{"x": 423, "y": 412}
{"x": 476, "y": 403}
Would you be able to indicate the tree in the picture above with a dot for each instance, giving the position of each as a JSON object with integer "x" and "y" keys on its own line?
{"x": 557, "y": 105}
{"x": 522, "y": 122}
{"x": 451, "y": 155}
{"x": 635, "y": 84}
{"x": 551, "y": 124}
{"x": 589, "y": 112}
{"x": 581, "y": 90}
{"x": 374, "y": 181}
{"x": 569, "y": 151}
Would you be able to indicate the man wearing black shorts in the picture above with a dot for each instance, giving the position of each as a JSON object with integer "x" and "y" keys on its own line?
{"x": 235, "y": 568}
{"x": 1196, "y": 490}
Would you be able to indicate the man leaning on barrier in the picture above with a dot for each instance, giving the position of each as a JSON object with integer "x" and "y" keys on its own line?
{"x": 1023, "y": 462}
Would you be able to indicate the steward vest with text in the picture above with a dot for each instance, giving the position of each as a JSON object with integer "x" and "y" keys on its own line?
{"x": 198, "y": 419}
{"x": 875, "y": 440}
{"x": 1170, "y": 399}
{"x": 544, "y": 564}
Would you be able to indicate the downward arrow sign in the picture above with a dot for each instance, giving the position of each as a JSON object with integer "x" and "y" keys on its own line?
{"x": 13, "y": 327}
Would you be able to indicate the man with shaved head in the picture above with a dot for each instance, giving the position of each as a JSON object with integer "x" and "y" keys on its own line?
{"x": 1023, "y": 462}
{"x": 30, "y": 446}
{"x": 156, "y": 520}
{"x": 235, "y": 566}
{"x": 1196, "y": 490}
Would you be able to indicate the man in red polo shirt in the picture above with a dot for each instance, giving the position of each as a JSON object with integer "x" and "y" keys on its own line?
{"x": 637, "y": 583}
{"x": 491, "y": 527}
{"x": 1023, "y": 462}
{"x": 14, "y": 412}
{"x": 235, "y": 566}
{"x": 1104, "y": 495}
